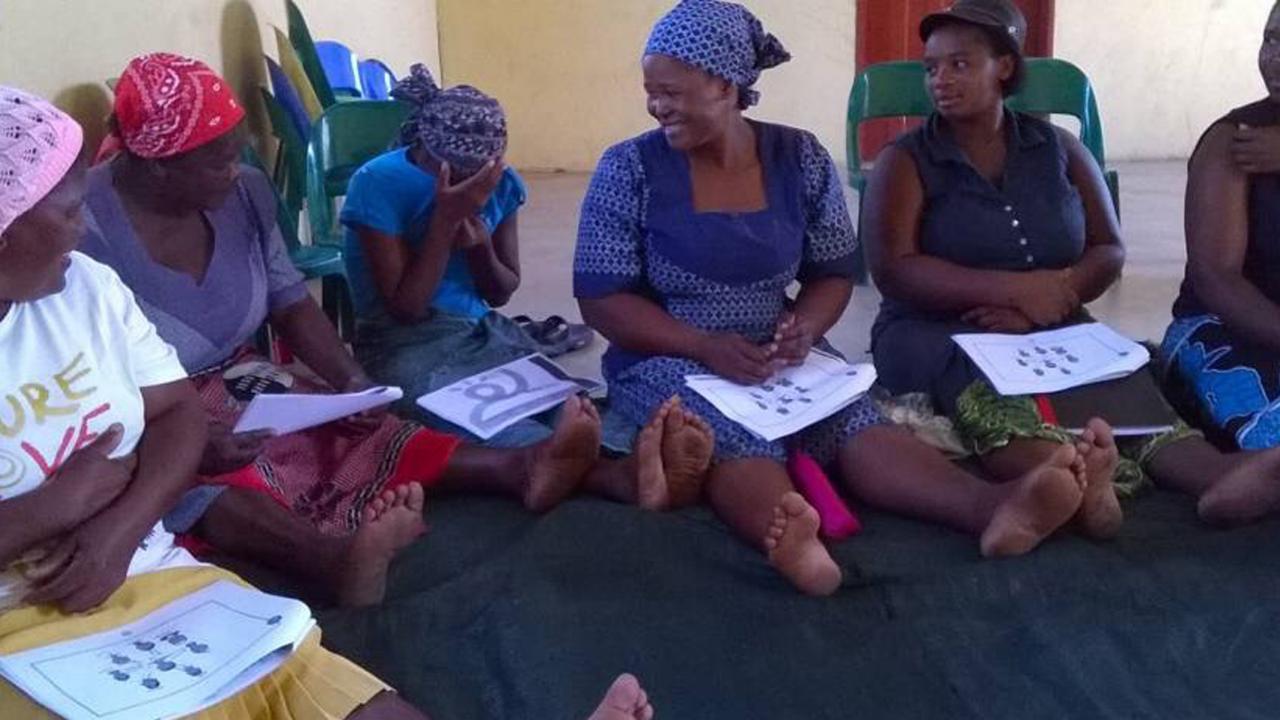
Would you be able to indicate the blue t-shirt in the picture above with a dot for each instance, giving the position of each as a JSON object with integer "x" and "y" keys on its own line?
{"x": 393, "y": 195}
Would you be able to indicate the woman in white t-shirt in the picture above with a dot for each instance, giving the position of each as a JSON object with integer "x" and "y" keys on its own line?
{"x": 100, "y": 433}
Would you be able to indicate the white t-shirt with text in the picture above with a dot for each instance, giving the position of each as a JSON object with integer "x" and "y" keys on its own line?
{"x": 73, "y": 364}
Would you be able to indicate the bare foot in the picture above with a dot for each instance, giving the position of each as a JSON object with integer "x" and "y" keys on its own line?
{"x": 624, "y": 700}
{"x": 1100, "y": 516}
{"x": 1039, "y": 503}
{"x": 651, "y": 478}
{"x": 793, "y": 547}
{"x": 560, "y": 464}
{"x": 389, "y": 523}
{"x": 1247, "y": 492}
{"x": 687, "y": 444}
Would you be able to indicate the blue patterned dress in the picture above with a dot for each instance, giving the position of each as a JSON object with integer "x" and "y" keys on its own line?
{"x": 716, "y": 271}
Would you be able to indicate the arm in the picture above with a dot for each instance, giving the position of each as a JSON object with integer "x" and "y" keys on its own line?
{"x": 98, "y": 551}
{"x": 311, "y": 336}
{"x": 494, "y": 261}
{"x": 892, "y": 213}
{"x": 1099, "y": 266}
{"x": 1217, "y": 225}
{"x": 406, "y": 279}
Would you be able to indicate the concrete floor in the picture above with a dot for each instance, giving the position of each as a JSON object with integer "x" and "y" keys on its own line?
{"x": 1151, "y": 201}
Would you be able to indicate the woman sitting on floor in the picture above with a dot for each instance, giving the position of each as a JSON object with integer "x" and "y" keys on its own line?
{"x": 664, "y": 211}
{"x": 431, "y": 246}
{"x": 988, "y": 220}
{"x": 194, "y": 235}
{"x": 1222, "y": 352}
{"x": 101, "y": 434}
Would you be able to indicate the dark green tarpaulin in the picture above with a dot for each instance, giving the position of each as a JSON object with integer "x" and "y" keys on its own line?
{"x": 499, "y": 614}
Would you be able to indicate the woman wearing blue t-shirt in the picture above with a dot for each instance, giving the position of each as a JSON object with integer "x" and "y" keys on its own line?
{"x": 431, "y": 249}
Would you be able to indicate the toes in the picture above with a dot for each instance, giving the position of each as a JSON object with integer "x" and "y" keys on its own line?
{"x": 793, "y": 504}
{"x": 417, "y": 497}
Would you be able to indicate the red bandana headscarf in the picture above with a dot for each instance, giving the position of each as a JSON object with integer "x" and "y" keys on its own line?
{"x": 167, "y": 104}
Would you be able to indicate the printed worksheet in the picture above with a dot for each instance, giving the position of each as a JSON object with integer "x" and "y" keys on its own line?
{"x": 186, "y": 656}
{"x": 793, "y": 399}
{"x": 487, "y": 403}
{"x": 1055, "y": 360}
{"x": 288, "y": 413}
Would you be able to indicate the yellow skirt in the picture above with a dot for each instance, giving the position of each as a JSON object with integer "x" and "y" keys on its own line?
{"x": 313, "y": 684}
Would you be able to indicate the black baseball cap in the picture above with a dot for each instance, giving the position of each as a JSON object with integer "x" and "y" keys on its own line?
{"x": 1000, "y": 15}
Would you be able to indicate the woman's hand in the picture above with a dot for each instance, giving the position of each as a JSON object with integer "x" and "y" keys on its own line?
{"x": 90, "y": 480}
{"x": 791, "y": 342}
{"x": 1256, "y": 151}
{"x": 92, "y": 562}
{"x": 367, "y": 422}
{"x": 734, "y": 357}
{"x": 458, "y": 202}
{"x": 473, "y": 232}
{"x": 1046, "y": 297}
{"x": 999, "y": 320}
{"x": 227, "y": 451}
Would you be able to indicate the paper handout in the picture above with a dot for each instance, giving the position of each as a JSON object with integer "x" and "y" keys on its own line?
{"x": 287, "y": 413}
{"x": 793, "y": 399}
{"x": 488, "y": 402}
{"x": 184, "y": 657}
{"x": 1054, "y": 360}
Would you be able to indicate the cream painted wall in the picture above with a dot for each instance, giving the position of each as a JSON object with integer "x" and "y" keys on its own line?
{"x": 568, "y": 71}
{"x": 1164, "y": 69}
{"x": 64, "y": 49}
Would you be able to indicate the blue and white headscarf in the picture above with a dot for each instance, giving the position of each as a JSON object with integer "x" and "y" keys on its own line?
{"x": 461, "y": 125}
{"x": 722, "y": 38}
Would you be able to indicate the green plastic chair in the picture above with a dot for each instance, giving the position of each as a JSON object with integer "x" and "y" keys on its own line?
{"x": 347, "y": 136}
{"x": 300, "y": 38}
{"x": 323, "y": 263}
{"x": 290, "y": 175}
{"x": 1057, "y": 87}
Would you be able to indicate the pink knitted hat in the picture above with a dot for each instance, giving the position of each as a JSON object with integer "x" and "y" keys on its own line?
{"x": 38, "y": 145}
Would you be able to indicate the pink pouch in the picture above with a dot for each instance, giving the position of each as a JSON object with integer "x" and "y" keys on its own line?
{"x": 838, "y": 520}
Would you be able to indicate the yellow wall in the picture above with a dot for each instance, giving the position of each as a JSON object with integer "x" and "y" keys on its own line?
{"x": 568, "y": 71}
{"x": 1164, "y": 69}
{"x": 64, "y": 49}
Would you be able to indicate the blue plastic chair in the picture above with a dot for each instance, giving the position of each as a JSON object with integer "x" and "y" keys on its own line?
{"x": 377, "y": 79}
{"x": 287, "y": 96}
{"x": 341, "y": 67}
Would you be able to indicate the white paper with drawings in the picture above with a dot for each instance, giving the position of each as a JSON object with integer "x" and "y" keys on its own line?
{"x": 489, "y": 402}
{"x": 287, "y": 413}
{"x": 793, "y": 399}
{"x": 1054, "y": 360}
{"x": 188, "y": 655}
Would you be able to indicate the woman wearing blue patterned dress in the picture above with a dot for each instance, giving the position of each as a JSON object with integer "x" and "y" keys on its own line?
{"x": 690, "y": 236}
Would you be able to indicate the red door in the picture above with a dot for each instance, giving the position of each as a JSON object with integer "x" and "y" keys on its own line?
{"x": 889, "y": 30}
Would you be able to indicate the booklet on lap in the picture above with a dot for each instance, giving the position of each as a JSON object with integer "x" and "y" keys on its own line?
{"x": 1054, "y": 360}
{"x": 186, "y": 656}
{"x": 793, "y": 399}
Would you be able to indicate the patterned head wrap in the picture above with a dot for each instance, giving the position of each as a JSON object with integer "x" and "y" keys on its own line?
{"x": 722, "y": 38}
{"x": 462, "y": 126}
{"x": 38, "y": 145}
{"x": 168, "y": 104}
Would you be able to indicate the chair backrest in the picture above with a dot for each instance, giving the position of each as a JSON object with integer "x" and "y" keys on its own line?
{"x": 892, "y": 89}
{"x": 377, "y": 79}
{"x": 341, "y": 67}
{"x": 300, "y": 38}
{"x": 291, "y": 180}
{"x": 347, "y": 136}
{"x": 1057, "y": 87}
{"x": 286, "y": 95}
{"x": 897, "y": 89}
